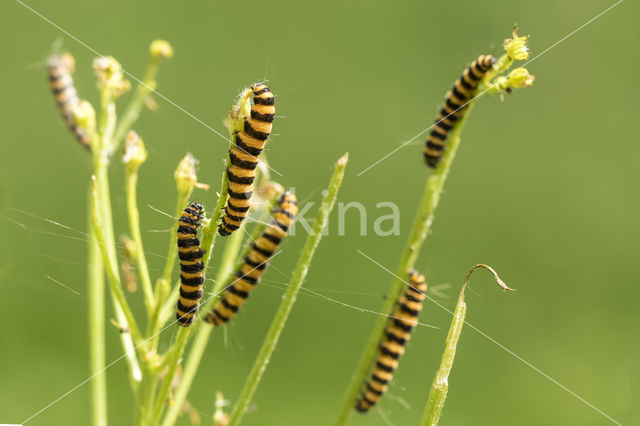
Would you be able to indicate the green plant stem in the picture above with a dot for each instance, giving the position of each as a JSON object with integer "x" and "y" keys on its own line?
{"x": 132, "y": 111}
{"x": 97, "y": 332}
{"x": 134, "y": 228}
{"x": 440, "y": 386}
{"x": 299, "y": 274}
{"x": 419, "y": 231}
{"x": 172, "y": 362}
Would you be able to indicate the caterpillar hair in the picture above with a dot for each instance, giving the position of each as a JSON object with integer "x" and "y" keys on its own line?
{"x": 244, "y": 158}
{"x": 59, "y": 70}
{"x": 256, "y": 261}
{"x": 396, "y": 335}
{"x": 191, "y": 266}
{"x": 454, "y": 107}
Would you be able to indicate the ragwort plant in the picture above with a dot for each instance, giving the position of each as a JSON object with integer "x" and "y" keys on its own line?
{"x": 160, "y": 380}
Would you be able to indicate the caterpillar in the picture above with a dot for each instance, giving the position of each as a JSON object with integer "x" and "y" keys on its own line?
{"x": 255, "y": 263}
{"x": 396, "y": 335}
{"x": 454, "y": 107}
{"x": 191, "y": 266}
{"x": 244, "y": 158}
{"x": 59, "y": 70}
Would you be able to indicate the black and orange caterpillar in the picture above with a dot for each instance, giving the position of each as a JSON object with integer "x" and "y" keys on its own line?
{"x": 396, "y": 335}
{"x": 244, "y": 158}
{"x": 191, "y": 266}
{"x": 256, "y": 261}
{"x": 59, "y": 70}
{"x": 454, "y": 107}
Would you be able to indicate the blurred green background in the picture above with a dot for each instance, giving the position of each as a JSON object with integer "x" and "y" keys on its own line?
{"x": 544, "y": 189}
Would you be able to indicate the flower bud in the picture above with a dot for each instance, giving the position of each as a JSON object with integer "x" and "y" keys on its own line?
{"x": 134, "y": 152}
{"x": 516, "y": 47}
{"x": 110, "y": 76}
{"x": 160, "y": 49}
{"x": 185, "y": 175}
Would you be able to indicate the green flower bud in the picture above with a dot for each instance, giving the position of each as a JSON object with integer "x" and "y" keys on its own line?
{"x": 134, "y": 152}
{"x": 160, "y": 49}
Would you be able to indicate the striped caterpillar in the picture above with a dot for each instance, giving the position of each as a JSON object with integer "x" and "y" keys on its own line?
{"x": 255, "y": 263}
{"x": 244, "y": 158}
{"x": 191, "y": 266}
{"x": 454, "y": 107}
{"x": 59, "y": 70}
{"x": 396, "y": 335}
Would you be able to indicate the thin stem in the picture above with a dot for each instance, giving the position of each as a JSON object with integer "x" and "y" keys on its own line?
{"x": 172, "y": 362}
{"x": 104, "y": 235}
{"x": 299, "y": 274}
{"x": 134, "y": 228}
{"x": 132, "y": 111}
{"x": 96, "y": 332}
{"x": 440, "y": 385}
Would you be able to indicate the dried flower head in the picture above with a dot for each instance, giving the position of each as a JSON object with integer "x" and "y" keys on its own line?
{"x": 134, "y": 152}
{"x": 110, "y": 76}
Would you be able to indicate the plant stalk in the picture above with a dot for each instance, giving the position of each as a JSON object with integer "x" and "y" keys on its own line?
{"x": 440, "y": 385}
{"x": 134, "y": 228}
{"x": 299, "y": 274}
{"x": 97, "y": 332}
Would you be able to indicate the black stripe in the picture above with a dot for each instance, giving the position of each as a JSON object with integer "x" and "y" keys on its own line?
{"x": 240, "y": 195}
{"x": 223, "y": 231}
{"x": 238, "y": 209}
{"x": 229, "y": 306}
{"x": 233, "y": 217}
{"x": 187, "y": 219}
{"x": 384, "y": 367}
{"x": 378, "y": 379}
{"x": 438, "y": 134}
{"x": 254, "y": 133}
{"x": 285, "y": 212}
{"x": 273, "y": 238}
{"x": 242, "y": 146}
{"x": 435, "y": 146}
{"x": 188, "y": 309}
{"x": 444, "y": 125}
{"x": 466, "y": 84}
{"x": 264, "y": 89}
{"x": 191, "y": 295}
{"x": 247, "y": 278}
{"x": 411, "y": 297}
{"x": 451, "y": 104}
{"x": 186, "y": 230}
{"x": 260, "y": 266}
{"x": 188, "y": 242}
{"x": 267, "y": 118}
{"x": 58, "y": 90}
{"x": 243, "y": 164}
{"x": 53, "y": 77}
{"x": 229, "y": 226}
{"x": 373, "y": 390}
{"x": 471, "y": 73}
{"x": 395, "y": 338}
{"x": 449, "y": 116}
{"x": 281, "y": 225}
{"x": 192, "y": 269}
{"x": 192, "y": 281}
{"x": 220, "y": 317}
{"x": 458, "y": 94}
{"x": 264, "y": 101}
{"x": 401, "y": 325}
{"x": 184, "y": 320}
{"x": 190, "y": 255}
{"x": 247, "y": 180}
{"x": 408, "y": 310}
{"x": 239, "y": 293}
{"x": 265, "y": 253}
